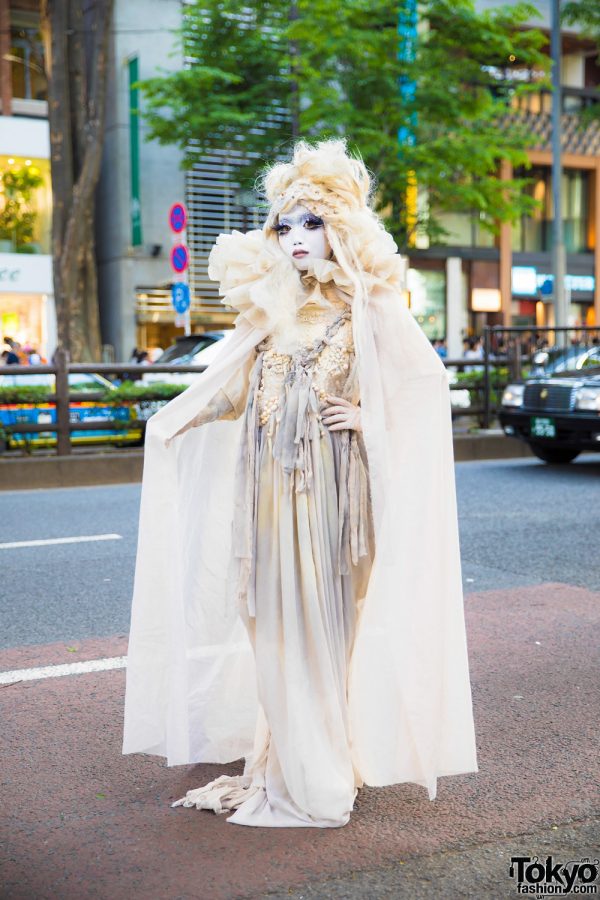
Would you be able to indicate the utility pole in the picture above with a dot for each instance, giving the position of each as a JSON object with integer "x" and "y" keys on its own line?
{"x": 558, "y": 245}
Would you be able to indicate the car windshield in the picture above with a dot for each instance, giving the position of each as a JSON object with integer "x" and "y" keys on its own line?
{"x": 592, "y": 359}
{"x": 184, "y": 350}
{"x": 559, "y": 359}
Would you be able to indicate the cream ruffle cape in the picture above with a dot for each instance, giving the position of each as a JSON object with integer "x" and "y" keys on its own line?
{"x": 191, "y": 686}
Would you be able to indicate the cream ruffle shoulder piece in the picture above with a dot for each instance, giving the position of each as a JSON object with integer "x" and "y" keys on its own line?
{"x": 381, "y": 265}
{"x": 256, "y": 279}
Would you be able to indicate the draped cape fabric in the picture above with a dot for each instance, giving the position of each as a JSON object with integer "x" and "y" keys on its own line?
{"x": 191, "y": 680}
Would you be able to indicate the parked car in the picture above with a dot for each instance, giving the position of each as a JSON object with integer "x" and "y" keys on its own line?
{"x": 203, "y": 357}
{"x": 184, "y": 352}
{"x": 557, "y": 415}
{"x": 79, "y": 411}
{"x": 564, "y": 359}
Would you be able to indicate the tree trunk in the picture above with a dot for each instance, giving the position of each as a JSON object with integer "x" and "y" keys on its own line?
{"x": 76, "y": 60}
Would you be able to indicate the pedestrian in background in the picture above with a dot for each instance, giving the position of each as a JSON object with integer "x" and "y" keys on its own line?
{"x": 474, "y": 351}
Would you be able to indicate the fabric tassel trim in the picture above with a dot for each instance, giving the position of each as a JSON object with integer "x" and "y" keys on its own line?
{"x": 353, "y": 508}
{"x": 221, "y": 795}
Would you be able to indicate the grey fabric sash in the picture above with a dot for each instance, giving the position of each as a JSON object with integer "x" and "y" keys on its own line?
{"x": 298, "y": 404}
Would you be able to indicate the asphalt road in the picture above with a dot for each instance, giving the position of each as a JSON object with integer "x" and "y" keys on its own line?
{"x": 521, "y": 523}
{"x": 80, "y": 820}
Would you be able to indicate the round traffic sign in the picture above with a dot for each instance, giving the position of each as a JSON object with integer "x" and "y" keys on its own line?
{"x": 177, "y": 217}
{"x": 180, "y": 258}
{"x": 180, "y": 297}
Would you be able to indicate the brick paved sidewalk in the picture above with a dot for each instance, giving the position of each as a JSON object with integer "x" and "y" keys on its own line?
{"x": 81, "y": 821}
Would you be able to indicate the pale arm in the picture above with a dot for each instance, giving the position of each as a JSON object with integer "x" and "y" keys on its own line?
{"x": 228, "y": 403}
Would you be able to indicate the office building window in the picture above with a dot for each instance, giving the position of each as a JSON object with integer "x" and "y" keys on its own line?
{"x": 464, "y": 230}
{"x": 533, "y": 233}
{"x": 27, "y": 58}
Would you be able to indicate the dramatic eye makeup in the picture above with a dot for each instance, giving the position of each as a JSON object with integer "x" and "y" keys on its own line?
{"x": 308, "y": 220}
{"x": 313, "y": 222}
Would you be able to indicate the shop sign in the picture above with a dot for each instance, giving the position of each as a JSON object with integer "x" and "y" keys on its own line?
{"x": 524, "y": 280}
{"x": 574, "y": 283}
{"x": 528, "y": 282}
{"x": 25, "y": 273}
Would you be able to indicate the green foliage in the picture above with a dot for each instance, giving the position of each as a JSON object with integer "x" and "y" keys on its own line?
{"x": 127, "y": 391}
{"x": 477, "y": 379}
{"x": 35, "y": 393}
{"x": 158, "y": 390}
{"x": 585, "y": 14}
{"x": 262, "y": 74}
{"x": 17, "y": 218}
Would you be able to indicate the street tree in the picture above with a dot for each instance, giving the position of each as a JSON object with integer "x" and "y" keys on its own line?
{"x": 586, "y": 15}
{"x": 76, "y": 45}
{"x": 425, "y": 102}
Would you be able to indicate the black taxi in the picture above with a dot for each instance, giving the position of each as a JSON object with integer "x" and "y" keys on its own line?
{"x": 557, "y": 415}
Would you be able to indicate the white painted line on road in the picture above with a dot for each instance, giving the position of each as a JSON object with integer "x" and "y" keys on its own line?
{"x": 76, "y": 668}
{"x": 66, "y": 540}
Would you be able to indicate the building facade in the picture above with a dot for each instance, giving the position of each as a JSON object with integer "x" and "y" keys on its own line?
{"x": 27, "y": 312}
{"x": 139, "y": 182}
{"x": 474, "y": 278}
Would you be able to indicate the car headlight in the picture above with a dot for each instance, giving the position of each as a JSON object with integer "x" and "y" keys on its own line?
{"x": 588, "y": 398}
{"x": 513, "y": 395}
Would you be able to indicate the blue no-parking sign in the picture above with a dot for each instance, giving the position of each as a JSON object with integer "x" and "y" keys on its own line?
{"x": 177, "y": 217}
{"x": 180, "y": 258}
{"x": 180, "y": 297}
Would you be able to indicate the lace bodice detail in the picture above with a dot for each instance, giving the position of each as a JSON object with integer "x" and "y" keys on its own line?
{"x": 333, "y": 367}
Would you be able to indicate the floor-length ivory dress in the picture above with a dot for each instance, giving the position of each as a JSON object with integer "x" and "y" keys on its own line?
{"x": 302, "y": 553}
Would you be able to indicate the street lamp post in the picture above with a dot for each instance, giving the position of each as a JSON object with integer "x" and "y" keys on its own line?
{"x": 558, "y": 245}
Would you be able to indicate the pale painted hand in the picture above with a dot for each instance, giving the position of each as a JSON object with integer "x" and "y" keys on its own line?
{"x": 341, "y": 414}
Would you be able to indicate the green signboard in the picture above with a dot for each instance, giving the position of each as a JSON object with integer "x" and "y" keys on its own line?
{"x": 134, "y": 153}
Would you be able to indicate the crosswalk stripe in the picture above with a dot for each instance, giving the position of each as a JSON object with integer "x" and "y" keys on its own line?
{"x": 10, "y": 545}
{"x": 75, "y": 668}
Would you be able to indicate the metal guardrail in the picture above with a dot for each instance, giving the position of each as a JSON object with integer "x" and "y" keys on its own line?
{"x": 517, "y": 354}
{"x": 62, "y": 396}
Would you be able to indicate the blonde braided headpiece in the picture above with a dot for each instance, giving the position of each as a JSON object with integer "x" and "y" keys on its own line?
{"x": 337, "y": 187}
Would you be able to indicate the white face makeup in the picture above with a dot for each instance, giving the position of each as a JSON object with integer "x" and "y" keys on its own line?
{"x": 302, "y": 236}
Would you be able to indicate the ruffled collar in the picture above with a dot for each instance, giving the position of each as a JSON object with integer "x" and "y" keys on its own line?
{"x": 325, "y": 281}
{"x": 258, "y": 280}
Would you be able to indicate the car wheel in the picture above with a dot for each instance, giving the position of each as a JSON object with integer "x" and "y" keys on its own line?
{"x": 555, "y": 454}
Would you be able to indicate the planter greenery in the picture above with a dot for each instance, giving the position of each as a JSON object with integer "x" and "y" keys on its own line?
{"x": 128, "y": 391}
{"x": 17, "y": 217}
{"x": 156, "y": 391}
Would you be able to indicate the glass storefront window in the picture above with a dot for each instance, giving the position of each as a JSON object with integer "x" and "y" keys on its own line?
{"x": 428, "y": 300}
{"x": 23, "y": 317}
{"x": 25, "y": 205}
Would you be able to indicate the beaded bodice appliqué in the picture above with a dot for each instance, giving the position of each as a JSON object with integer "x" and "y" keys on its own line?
{"x": 326, "y": 352}
{"x": 286, "y": 400}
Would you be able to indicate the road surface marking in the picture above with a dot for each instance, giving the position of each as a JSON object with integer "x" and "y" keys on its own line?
{"x": 66, "y": 540}
{"x": 103, "y": 665}
{"x": 76, "y": 668}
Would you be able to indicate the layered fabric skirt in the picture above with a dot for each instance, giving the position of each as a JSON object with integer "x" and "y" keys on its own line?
{"x": 303, "y": 548}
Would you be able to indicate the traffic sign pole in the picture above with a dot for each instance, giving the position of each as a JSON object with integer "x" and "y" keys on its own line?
{"x": 180, "y": 259}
